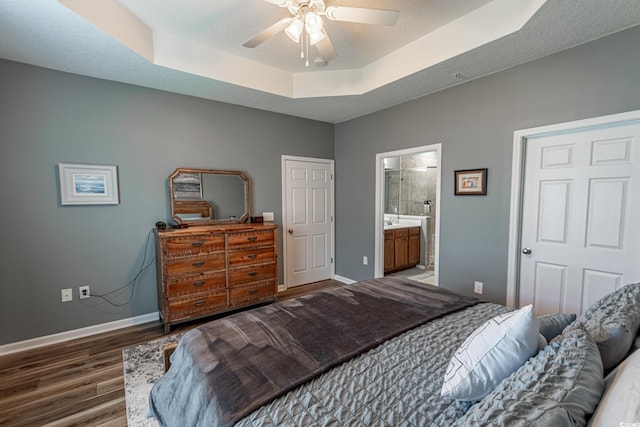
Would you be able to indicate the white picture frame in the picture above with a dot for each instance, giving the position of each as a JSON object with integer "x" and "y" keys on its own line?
{"x": 82, "y": 184}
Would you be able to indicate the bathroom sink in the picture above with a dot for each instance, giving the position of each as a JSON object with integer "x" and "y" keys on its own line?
{"x": 401, "y": 223}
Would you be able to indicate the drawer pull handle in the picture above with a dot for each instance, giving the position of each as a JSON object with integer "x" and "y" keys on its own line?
{"x": 198, "y": 264}
{"x": 198, "y": 284}
{"x": 253, "y": 274}
{"x": 199, "y": 303}
{"x": 252, "y": 291}
{"x": 252, "y": 256}
{"x": 197, "y": 244}
{"x": 252, "y": 238}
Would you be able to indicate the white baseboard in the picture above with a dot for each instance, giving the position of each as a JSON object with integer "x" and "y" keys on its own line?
{"x": 76, "y": 333}
{"x": 343, "y": 279}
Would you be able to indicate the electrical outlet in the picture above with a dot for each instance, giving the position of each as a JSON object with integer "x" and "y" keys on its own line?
{"x": 365, "y": 260}
{"x": 84, "y": 292}
{"x": 67, "y": 295}
{"x": 267, "y": 216}
{"x": 477, "y": 287}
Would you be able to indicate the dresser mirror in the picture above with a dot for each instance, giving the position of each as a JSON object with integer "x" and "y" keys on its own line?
{"x": 207, "y": 196}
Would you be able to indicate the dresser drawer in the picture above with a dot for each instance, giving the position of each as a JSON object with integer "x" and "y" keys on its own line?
{"x": 200, "y": 269}
{"x": 252, "y": 274}
{"x": 190, "y": 285}
{"x": 195, "y": 264}
{"x": 251, "y": 256}
{"x": 248, "y": 239}
{"x": 248, "y": 294}
{"x": 188, "y": 307}
{"x": 194, "y": 245}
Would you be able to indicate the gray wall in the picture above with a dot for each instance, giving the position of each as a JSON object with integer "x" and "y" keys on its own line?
{"x": 47, "y": 117}
{"x": 475, "y": 122}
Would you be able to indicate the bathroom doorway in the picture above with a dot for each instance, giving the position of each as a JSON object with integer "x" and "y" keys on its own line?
{"x": 407, "y": 213}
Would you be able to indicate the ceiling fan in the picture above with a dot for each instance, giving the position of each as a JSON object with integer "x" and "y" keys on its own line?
{"x": 306, "y": 24}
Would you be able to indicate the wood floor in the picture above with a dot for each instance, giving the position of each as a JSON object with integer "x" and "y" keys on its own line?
{"x": 80, "y": 382}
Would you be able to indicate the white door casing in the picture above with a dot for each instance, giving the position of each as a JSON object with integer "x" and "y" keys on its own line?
{"x": 574, "y": 213}
{"x": 308, "y": 226}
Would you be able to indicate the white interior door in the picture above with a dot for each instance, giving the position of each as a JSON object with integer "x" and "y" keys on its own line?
{"x": 580, "y": 234}
{"x": 308, "y": 222}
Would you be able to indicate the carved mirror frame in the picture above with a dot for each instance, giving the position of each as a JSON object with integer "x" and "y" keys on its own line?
{"x": 247, "y": 198}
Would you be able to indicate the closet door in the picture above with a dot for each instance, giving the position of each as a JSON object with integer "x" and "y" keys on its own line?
{"x": 580, "y": 234}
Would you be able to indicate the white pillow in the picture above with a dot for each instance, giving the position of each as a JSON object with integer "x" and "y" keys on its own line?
{"x": 491, "y": 353}
{"x": 620, "y": 403}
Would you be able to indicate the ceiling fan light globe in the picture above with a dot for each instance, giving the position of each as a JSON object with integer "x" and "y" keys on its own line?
{"x": 315, "y": 37}
{"x": 294, "y": 30}
{"x": 312, "y": 22}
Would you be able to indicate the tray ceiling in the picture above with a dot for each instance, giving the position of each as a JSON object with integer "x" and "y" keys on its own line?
{"x": 195, "y": 47}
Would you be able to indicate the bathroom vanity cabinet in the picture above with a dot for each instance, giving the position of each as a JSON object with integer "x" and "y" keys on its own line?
{"x": 401, "y": 248}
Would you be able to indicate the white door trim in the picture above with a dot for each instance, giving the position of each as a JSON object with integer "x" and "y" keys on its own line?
{"x": 331, "y": 163}
{"x": 517, "y": 181}
{"x": 379, "y": 207}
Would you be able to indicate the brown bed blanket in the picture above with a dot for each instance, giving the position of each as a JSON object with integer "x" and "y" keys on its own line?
{"x": 226, "y": 369}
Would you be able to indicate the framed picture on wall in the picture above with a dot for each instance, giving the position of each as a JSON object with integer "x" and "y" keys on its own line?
{"x": 471, "y": 182}
{"x": 82, "y": 184}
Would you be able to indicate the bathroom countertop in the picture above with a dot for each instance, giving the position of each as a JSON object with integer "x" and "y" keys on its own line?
{"x": 399, "y": 226}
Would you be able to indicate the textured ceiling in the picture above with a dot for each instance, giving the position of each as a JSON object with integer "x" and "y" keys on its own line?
{"x": 226, "y": 24}
{"x": 47, "y": 34}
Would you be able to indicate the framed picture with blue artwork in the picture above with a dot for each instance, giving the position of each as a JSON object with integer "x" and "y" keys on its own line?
{"x": 82, "y": 184}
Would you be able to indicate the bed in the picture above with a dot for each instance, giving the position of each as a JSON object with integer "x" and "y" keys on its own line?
{"x": 394, "y": 352}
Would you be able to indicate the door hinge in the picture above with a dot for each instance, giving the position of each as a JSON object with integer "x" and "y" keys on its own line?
{"x": 330, "y": 176}
{"x": 331, "y": 260}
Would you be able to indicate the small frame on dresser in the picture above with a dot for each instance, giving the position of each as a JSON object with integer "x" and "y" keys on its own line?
{"x": 471, "y": 182}
{"x": 82, "y": 184}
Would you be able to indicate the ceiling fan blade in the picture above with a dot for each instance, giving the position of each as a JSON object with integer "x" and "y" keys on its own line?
{"x": 268, "y": 33}
{"x": 281, "y": 3}
{"x": 362, "y": 15}
{"x": 325, "y": 48}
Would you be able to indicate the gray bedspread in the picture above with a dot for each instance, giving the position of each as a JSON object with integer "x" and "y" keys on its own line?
{"x": 223, "y": 371}
{"x": 395, "y": 384}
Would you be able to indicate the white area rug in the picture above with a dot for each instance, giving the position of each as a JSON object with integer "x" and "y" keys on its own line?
{"x": 143, "y": 365}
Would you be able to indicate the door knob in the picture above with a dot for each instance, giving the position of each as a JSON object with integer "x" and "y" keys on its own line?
{"x": 526, "y": 251}
{"x": 290, "y": 231}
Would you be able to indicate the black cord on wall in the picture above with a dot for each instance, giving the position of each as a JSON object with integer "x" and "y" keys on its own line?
{"x": 132, "y": 283}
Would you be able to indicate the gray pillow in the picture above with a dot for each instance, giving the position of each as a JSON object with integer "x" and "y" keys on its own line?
{"x": 560, "y": 386}
{"x": 552, "y": 325}
{"x": 613, "y": 323}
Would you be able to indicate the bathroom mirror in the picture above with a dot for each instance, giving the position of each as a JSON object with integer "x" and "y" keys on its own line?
{"x": 208, "y": 196}
{"x": 410, "y": 184}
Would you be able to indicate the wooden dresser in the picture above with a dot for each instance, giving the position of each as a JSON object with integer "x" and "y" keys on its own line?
{"x": 206, "y": 270}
